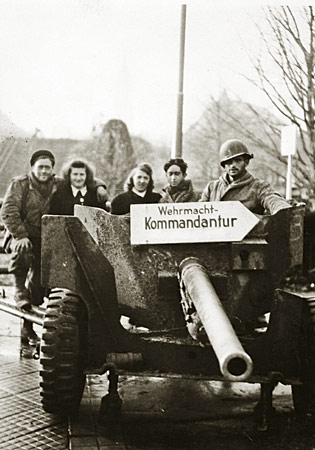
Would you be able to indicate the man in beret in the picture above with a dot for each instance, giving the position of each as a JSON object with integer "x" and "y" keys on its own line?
{"x": 26, "y": 201}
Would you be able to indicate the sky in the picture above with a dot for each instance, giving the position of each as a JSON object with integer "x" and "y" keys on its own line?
{"x": 67, "y": 65}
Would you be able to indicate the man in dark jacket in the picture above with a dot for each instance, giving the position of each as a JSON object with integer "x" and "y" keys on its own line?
{"x": 26, "y": 201}
{"x": 238, "y": 184}
{"x": 179, "y": 189}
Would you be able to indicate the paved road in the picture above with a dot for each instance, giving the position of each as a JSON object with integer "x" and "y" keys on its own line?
{"x": 158, "y": 414}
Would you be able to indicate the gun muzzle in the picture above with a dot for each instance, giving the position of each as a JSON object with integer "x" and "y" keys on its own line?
{"x": 235, "y": 364}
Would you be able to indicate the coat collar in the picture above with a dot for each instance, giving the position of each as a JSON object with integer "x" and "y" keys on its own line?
{"x": 45, "y": 189}
{"x": 185, "y": 185}
{"x": 245, "y": 179}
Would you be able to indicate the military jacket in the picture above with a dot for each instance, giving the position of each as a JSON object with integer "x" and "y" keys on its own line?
{"x": 185, "y": 193}
{"x": 257, "y": 195}
{"x": 24, "y": 205}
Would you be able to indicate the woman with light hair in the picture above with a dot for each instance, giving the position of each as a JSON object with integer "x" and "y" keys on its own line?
{"x": 138, "y": 190}
{"x": 78, "y": 188}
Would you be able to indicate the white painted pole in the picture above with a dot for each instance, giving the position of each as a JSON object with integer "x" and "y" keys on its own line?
{"x": 288, "y": 148}
{"x": 288, "y": 192}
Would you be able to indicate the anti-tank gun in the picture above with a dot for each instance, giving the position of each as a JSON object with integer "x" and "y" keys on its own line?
{"x": 171, "y": 279}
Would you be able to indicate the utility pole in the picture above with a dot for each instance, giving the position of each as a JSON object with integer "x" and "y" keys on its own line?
{"x": 180, "y": 95}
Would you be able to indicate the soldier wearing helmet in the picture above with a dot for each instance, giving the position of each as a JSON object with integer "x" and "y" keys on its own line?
{"x": 238, "y": 184}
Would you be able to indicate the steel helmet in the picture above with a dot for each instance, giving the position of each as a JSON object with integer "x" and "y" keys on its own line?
{"x": 233, "y": 148}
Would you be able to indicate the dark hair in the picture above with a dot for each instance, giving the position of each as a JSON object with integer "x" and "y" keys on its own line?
{"x": 144, "y": 167}
{"x": 176, "y": 162}
{"x": 79, "y": 164}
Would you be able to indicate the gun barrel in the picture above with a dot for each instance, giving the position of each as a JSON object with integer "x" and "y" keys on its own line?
{"x": 235, "y": 364}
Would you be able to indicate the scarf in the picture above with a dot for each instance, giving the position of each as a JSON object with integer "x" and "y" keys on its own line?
{"x": 45, "y": 189}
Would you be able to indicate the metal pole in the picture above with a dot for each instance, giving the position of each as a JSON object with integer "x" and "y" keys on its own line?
{"x": 288, "y": 193}
{"x": 36, "y": 316}
{"x": 180, "y": 95}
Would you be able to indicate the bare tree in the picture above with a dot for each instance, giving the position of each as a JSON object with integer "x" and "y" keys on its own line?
{"x": 286, "y": 71}
{"x": 226, "y": 118}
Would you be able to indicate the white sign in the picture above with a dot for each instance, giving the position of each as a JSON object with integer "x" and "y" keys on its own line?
{"x": 172, "y": 223}
{"x": 288, "y": 140}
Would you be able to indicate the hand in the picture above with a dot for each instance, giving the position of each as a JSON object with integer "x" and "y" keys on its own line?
{"x": 101, "y": 194}
{"x": 22, "y": 245}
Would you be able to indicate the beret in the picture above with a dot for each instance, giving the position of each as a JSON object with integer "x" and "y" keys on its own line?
{"x": 42, "y": 153}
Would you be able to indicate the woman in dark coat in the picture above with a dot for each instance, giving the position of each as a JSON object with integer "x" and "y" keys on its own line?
{"x": 138, "y": 190}
{"x": 78, "y": 188}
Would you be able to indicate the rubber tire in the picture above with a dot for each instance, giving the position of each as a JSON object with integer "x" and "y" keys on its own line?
{"x": 63, "y": 353}
{"x": 303, "y": 396}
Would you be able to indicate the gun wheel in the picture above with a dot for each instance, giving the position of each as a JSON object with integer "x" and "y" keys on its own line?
{"x": 304, "y": 395}
{"x": 311, "y": 305}
{"x": 63, "y": 353}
